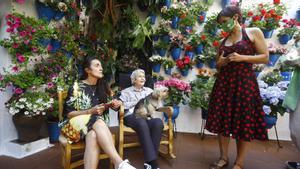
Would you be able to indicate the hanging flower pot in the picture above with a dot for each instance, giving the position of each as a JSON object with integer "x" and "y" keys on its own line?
{"x": 175, "y": 53}
{"x": 156, "y": 67}
{"x": 44, "y": 12}
{"x": 174, "y": 24}
{"x": 270, "y": 121}
{"x": 212, "y": 64}
{"x": 199, "y": 64}
{"x": 268, "y": 33}
{"x": 273, "y": 59}
{"x": 174, "y": 115}
{"x": 53, "y": 131}
{"x": 199, "y": 49}
{"x": 152, "y": 19}
{"x": 27, "y": 127}
{"x": 225, "y": 3}
{"x": 59, "y": 15}
{"x": 55, "y": 45}
{"x": 190, "y": 54}
{"x": 283, "y": 39}
{"x": 184, "y": 72}
{"x": 286, "y": 76}
{"x": 165, "y": 38}
{"x": 162, "y": 52}
{"x": 45, "y": 42}
{"x": 167, "y": 3}
{"x": 168, "y": 71}
{"x": 202, "y": 16}
{"x": 188, "y": 30}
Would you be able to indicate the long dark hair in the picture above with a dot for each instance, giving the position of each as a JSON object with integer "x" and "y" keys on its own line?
{"x": 102, "y": 88}
{"x": 230, "y": 11}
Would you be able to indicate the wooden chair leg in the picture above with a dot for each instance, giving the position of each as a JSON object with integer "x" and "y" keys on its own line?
{"x": 121, "y": 139}
{"x": 68, "y": 157}
{"x": 171, "y": 139}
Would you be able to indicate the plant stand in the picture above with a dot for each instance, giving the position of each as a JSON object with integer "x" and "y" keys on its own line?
{"x": 278, "y": 142}
{"x": 202, "y": 130}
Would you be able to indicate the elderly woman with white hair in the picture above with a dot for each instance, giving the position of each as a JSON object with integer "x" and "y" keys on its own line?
{"x": 149, "y": 131}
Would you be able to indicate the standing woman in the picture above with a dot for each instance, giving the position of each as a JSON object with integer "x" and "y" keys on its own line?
{"x": 93, "y": 94}
{"x": 235, "y": 108}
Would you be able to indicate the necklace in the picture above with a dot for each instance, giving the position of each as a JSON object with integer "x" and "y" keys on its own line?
{"x": 92, "y": 89}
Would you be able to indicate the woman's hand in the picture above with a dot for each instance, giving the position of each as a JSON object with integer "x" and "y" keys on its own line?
{"x": 235, "y": 57}
{"x": 222, "y": 61}
{"x": 116, "y": 103}
{"x": 99, "y": 109}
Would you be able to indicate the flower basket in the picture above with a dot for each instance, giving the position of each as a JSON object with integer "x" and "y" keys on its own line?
{"x": 28, "y": 128}
{"x": 283, "y": 39}
{"x": 273, "y": 59}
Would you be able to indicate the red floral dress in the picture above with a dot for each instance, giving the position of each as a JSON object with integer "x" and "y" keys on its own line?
{"x": 235, "y": 106}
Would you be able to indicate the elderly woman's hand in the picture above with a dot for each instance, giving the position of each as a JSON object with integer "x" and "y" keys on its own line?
{"x": 116, "y": 103}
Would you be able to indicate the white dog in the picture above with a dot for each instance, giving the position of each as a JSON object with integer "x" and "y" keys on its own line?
{"x": 147, "y": 106}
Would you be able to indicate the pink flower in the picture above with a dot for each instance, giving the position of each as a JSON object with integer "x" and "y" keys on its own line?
{"x": 15, "y": 45}
{"x": 9, "y": 30}
{"x": 20, "y": 1}
{"x": 33, "y": 30}
{"x": 1, "y": 77}
{"x": 23, "y": 33}
{"x": 20, "y": 58}
{"x": 18, "y": 91}
{"x": 26, "y": 42}
{"x": 49, "y": 47}
{"x": 15, "y": 69}
{"x": 34, "y": 49}
{"x": 50, "y": 85}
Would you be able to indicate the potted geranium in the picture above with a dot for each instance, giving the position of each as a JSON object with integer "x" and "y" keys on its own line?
{"x": 162, "y": 47}
{"x": 274, "y": 53}
{"x": 199, "y": 9}
{"x": 183, "y": 65}
{"x": 198, "y": 41}
{"x": 273, "y": 96}
{"x": 187, "y": 21}
{"x": 176, "y": 43}
{"x": 157, "y": 61}
{"x": 173, "y": 13}
{"x": 178, "y": 93}
{"x": 288, "y": 31}
{"x": 272, "y": 77}
{"x": 163, "y": 30}
{"x": 25, "y": 38}
{"x": 28, "y": 110}
{"x": 168, "y": 65}
{"x": 201, "y": 90}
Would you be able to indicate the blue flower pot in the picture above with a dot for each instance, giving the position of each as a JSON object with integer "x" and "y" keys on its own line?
{"x": 188, "y": 29}
{"x": 202, "y": 13}
{"x": 165, "y": 38}
{"x": 44, "y": 12}
{"x": 286, "y": 76}
{"x": 53, "y": 131}
{"x": 55, "y": 45}
{"x": 256, "y": 74}
{"x": 168, "y": 71}
{"x": 167, "y": 3}
{"x": 225, "y": 3}
{"x": 162, "y": 52}
{"x": 199, "y": 64}
{"x": 190, "y": 54}
{"x": 156, "y": 67}
{"x": 273, "y": 59}
{"x": 270, "y": 121}
{"x": 268, "y": 33}
{"x": 58, "y": 15}
{"x": 175, "y": 53}
{"x": 283, "y": 39}
{"x": 152, "y": 19}
{"x": 45, "y": 42}
{"x": 174, "y": 24}
{"x": 298, "y": 15}
{"x": 199, "y": 49}
{"x": 174, "y": 115}
{"x": 69, "y": 54}
{"x": 204, "y": 113}
{"x": 155, "y": 37}
{"x": 212, "y": 64}
{"x": 184, "y": 72}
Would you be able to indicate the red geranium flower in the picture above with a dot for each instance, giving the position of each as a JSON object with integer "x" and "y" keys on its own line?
{"x": 263, "y": 11}
{"x": 224, "y": 34}
{"x": 203, "y": 37}
{"x": 186, "y": 60}
{"x": 201, "y": 18}
{"x": 276, "y": 1}
{"x": 216, "y": 43}
{"x": 250, "y": 13}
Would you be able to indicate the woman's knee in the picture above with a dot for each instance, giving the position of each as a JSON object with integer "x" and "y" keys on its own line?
{"x": 99, "y": 123}
{"x": 158, "y": 123}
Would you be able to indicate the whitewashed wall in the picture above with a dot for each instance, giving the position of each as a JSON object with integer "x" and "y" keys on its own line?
{"x": 188, "y": 120}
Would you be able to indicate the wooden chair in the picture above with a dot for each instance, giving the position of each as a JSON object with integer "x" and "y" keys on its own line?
{"x": 71, "y": 160}
{"x": 167, "y": 139}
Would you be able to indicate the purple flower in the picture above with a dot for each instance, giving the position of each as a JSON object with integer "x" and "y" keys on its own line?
{"x": 267, "y": 109}
{"x": 50, "y": 85}
{"x": 15, "y": 69}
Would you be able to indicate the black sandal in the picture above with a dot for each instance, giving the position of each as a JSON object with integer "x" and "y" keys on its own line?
{"x": 216, "y": 165}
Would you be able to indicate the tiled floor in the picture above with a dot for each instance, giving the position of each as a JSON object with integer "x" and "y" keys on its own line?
{"x": 191, "y": 151}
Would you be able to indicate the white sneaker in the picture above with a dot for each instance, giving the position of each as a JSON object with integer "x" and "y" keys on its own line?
{"x": 125, "y": 165}
{"x": 147, "y": 166}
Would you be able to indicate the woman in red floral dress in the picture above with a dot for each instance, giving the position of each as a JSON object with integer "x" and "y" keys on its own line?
{"x": 235, "y": 108}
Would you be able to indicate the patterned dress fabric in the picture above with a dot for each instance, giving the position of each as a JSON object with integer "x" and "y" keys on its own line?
{"x": 235, "y": 107}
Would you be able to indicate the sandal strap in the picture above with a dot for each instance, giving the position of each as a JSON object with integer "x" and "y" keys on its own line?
{"x": 217, "y": 165}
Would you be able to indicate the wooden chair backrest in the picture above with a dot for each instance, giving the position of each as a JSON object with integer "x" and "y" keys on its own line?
{"x": 62, "y": 95}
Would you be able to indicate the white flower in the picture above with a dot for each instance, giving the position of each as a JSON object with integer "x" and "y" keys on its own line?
{"x": 26, "y": 113}
{"x": 62, "y": 7}
{"x": 43, "y": 113}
